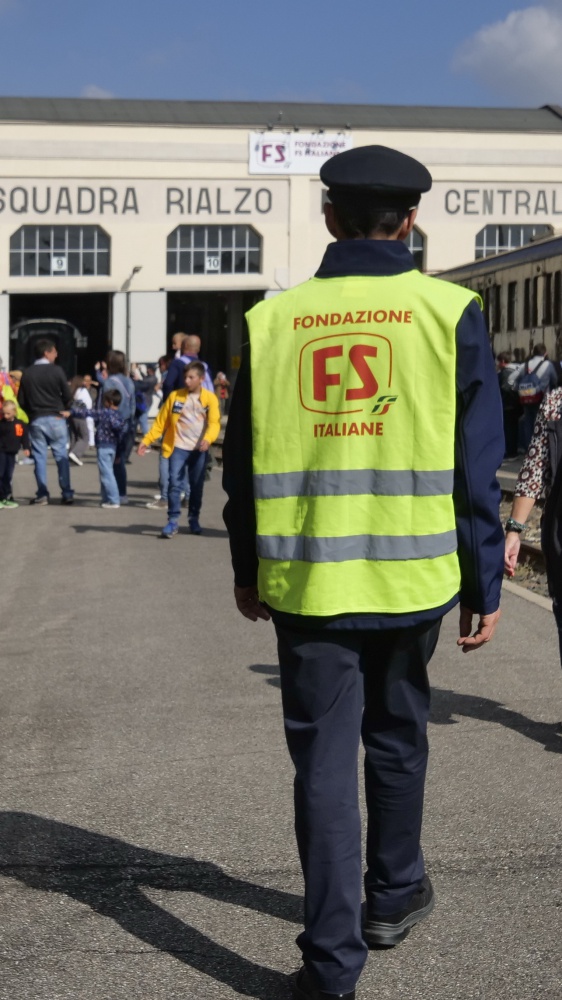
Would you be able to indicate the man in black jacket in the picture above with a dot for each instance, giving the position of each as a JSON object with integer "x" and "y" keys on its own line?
{"x": 45, "y": 396}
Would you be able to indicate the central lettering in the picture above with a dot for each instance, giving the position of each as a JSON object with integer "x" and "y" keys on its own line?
{"x": 503, "y": 201}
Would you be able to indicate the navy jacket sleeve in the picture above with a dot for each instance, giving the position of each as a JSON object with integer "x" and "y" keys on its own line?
{"x": 479, "y": 448}
{"x": 239, "y": 512}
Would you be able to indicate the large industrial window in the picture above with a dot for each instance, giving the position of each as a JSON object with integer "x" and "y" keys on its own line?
{"x": 214, "y": 250}
{"x": 497, "y": 239}
{"x": 41, "y": 251}
{"x": 416, "y": 246}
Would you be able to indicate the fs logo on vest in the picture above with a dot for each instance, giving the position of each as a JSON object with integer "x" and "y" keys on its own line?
{"x": 346, "y": 373}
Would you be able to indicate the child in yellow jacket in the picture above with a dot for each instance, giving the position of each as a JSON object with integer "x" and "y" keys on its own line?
{"x": 188, "y": 423}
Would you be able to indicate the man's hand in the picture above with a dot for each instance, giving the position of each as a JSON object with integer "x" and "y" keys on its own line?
{"x": 512, "y": 546}
{"x": 26, "y": 452}
{"x": 65, "y": 414}
{"x": 484, "y": 631}
{"x": 141, "y": 450}
{"x": 248, "y": 603}
{"x": 204, "y": 446}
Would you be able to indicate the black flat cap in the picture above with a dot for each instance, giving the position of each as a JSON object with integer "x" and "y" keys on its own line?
{"x": 377, "y": 169}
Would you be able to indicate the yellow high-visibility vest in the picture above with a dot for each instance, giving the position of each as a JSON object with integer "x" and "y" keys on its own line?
{"x": 353, "y": 421}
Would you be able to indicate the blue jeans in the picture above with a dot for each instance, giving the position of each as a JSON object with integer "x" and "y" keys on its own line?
{"x": 164, "y": 477}
{"x": 123, "y": 451}
{"x": 108, "y": 482}
{"x": 7, "y": 463}
{"x": 192, "y": 462}
{"x": 527, "y": 425}
{"x": 142, "y": 422}
{"x": 45, "y": 433}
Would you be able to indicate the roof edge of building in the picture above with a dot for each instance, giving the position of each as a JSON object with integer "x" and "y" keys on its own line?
{"x": 506, "y": 259}
{"x": 276, "y": 114}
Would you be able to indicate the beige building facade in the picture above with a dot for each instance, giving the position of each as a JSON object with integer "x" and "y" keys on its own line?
{"x": 131, "y": 220}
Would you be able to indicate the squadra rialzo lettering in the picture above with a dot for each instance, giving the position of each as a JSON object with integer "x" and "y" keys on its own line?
{"x": 503, "y": 201}
{"x": 106, "y": 200}
{"x": 215, "y": 201}
{"x": 22, "y": 200}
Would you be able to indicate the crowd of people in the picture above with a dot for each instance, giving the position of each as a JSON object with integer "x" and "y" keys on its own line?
{"x": 522, "y": 387}
{"x": 41, "y": 411}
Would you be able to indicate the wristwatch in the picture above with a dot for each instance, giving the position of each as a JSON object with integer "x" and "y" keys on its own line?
{"x": 512, "y": 525}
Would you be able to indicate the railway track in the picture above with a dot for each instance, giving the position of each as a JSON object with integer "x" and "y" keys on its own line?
{"x": 532, "y": 555}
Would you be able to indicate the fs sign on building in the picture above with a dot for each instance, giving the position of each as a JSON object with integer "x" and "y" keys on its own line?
{"x": 294, "y": 152}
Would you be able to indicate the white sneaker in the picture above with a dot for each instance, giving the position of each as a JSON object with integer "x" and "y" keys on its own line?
{"x": 157, "y": 496}
{"x": 74, "y": 458}
{"x": 110, "y": 506}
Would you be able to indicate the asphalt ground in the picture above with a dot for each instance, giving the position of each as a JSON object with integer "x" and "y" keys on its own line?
{"x": 146, "y": 843}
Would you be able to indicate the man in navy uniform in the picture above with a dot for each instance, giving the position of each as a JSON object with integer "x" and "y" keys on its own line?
{"x": 304, "y": 516}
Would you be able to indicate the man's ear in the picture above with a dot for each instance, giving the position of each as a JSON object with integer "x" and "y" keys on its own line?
{"x": 331, "y": 222}
{"x": 407, "y": 225}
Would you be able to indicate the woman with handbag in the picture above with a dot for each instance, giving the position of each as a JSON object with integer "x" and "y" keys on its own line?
{"x": 541, "y": 473}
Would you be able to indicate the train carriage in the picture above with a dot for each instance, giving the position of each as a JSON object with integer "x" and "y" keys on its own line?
{"x": 522, "y": 294}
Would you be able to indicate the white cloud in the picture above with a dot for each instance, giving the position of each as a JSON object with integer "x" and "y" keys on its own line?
{"x": 94, "y": 91}
{"x": 519, "y": 57}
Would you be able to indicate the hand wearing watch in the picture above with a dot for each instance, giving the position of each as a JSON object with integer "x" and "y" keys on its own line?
{"x": 513, "y": 525}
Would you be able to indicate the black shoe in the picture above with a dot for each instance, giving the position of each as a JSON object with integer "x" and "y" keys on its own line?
{"x": 67, "y": 500}
{"x": 390, "y": 930}
{"x": 304, "y": 989}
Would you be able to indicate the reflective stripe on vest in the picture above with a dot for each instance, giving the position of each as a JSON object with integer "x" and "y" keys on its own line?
{"x": 353, "y": 482}
{"x": 352, "y": 547}
{"x": 353, "y": 417}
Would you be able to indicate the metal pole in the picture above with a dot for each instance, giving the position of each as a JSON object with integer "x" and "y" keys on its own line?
{"x": 128, "y": 327}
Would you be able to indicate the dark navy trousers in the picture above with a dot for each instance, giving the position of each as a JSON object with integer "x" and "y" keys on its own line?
{"x": 339, "y": 687}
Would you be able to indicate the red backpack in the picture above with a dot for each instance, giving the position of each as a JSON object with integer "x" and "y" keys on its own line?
{"x": 529, "y": 387}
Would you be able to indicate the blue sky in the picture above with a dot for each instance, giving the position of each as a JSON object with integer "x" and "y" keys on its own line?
{"x": 358, "y": 51}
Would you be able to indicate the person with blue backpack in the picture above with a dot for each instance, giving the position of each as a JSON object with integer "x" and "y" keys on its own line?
{"x": 117, "y": 378}
{"x": 538, "y": 376}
